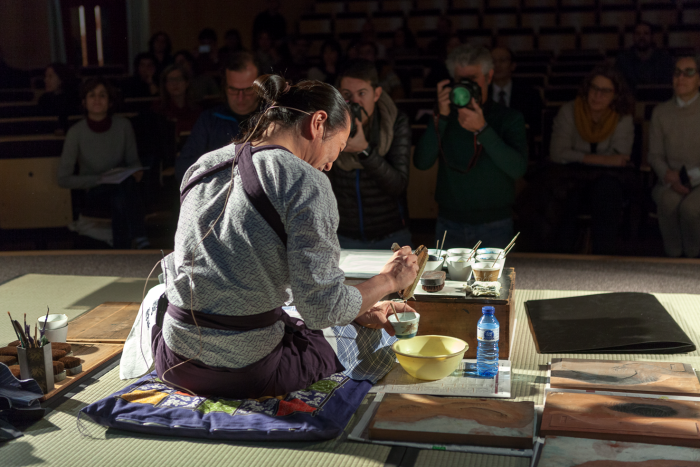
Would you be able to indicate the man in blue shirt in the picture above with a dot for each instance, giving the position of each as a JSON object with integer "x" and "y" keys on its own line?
{"x": 217, "y": 127}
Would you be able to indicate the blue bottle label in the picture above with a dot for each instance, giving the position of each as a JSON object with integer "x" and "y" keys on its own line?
{"x": 487, "y": 335}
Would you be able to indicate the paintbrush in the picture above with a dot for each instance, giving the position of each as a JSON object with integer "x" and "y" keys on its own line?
{"x": 12, "y": 322}
{"x": 45, "y": 321}
{"x": 22, "y": 336}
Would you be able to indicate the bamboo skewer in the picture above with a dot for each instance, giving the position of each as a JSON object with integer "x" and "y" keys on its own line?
{"x": 507, "y": 248}
{"x": 394, "y": 308}
{"x": 443, "y": 240}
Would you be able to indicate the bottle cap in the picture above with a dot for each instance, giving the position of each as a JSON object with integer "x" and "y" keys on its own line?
{"x": 488, "y": 309}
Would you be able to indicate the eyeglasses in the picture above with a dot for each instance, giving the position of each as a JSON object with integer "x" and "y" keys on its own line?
{"x": 604, "y": 91}
{"x": 246, "y": 91}
{"x": 688, "y": 72}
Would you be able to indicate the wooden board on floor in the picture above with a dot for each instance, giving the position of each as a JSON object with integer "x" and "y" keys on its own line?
{"x": 91, "y": 356}
{"x": 454, "y": 420}
{"x": 670, "y": 378}
{"x": 109, "y": 323}
{"x": 657, "y": 420}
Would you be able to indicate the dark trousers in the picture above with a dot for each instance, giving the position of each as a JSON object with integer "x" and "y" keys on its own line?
{"x": 123, "y": 201}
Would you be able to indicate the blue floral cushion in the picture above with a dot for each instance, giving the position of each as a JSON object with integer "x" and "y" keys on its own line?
{"x": 318, "y": 412}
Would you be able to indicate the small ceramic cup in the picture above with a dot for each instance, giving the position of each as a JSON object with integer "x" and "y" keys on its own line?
{"x": 436, "y": 252}
{"x": 490, "y": 258}
{"x": 459, "y": 252}
{"x": 407, "y": 326}
{"x": 458, "y": 267}
{"x": 434, "y": 263}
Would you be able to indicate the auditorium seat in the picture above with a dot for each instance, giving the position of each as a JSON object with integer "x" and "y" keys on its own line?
{"x": 404, "y": 6}
{"x": 540, "y": 3}
{"x": 368, "y": 7}
{"x": 580, "y": 55}
{"x": 572, "y": 67}
{"x": 662, "y": 13}
{"x": 478, "y": 36}
{"x": 16, "y": 95}
{"x": 535, "y": 56}
{"x": 684, "y": 35}
{"x": 464, "y": 18}
{"x": 533, "y": 67}
{"x": 388, "y": 21}
{"x": 619, "y": 16}
{"x": 329, "y": 7}
{"x": 349, "y": 22}
{"x": 28, "y": 126}
{"x": 690, "y": 14}
{"x": 441, "y": 5}
{"x": 578, "y": 3}
{"x": 577, "y": 17}
{"x": 503, "y": 3}
{"x": 557, "y": 39}
{"x": 416, "y": 109}
{"x": 318, "y": 23}
{"x": 565, "y": 79}
{"x": 19, "y": 109}
{"x": 537, "y": 18}
{"x": 653, "y": 93}
{"x": 423, "y": 20}
{"x": 516, "y": 39}
{"x": 500, "y": 18}
{"x": 600, "y": 38}
{"x": 458, "y": 4}
{"x": 560, "y": 94}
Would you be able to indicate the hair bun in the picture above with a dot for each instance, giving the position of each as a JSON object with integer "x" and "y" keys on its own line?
{"x": 271, "y": 87}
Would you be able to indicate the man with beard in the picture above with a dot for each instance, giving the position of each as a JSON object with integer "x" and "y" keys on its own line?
{"x": 643, "y": 63}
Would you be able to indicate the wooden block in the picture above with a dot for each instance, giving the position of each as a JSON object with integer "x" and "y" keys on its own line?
{"x": 622, "y": 376}
{"x": 91, "y": 357}
{"x": 454, "y": 420}
{"x": 622, "y": 418}
{"x": 109, "y": 323}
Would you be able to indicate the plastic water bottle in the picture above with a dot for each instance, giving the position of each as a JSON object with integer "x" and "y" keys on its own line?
{"x": 487, "y": 351}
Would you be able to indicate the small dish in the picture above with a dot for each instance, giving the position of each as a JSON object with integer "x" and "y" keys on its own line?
{"x": 406, "y": 324}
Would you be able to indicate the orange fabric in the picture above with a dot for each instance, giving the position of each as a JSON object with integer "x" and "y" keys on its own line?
{"x": 594, "y": 132}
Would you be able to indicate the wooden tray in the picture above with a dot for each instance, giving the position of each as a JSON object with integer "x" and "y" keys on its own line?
{"x": 454, "y": 420}
{"x": 109, "y": 323}
{"x": 668, "y": 378}
{"x": 654, "y": 420}
{"x": 92, "y": 356}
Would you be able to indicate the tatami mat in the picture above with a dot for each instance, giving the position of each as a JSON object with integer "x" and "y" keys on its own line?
{"x": 57, "y": 441}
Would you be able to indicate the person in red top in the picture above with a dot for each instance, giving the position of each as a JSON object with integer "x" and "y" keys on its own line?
{"x": 176, "y": 103}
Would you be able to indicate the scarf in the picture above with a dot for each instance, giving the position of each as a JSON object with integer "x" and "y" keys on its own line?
{"x": 590, "y": 131}
{"x": 386, "y": 111}
{"x": 101, "y": 126}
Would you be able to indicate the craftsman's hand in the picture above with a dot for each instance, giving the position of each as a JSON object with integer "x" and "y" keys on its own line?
{"x": 472, "y": 120}
{"x": 138, "y": 176}
{"x": 443, "y": 97}
{"x": 401, "y": 269}
{"x": 357, "y": 143}
{"x": 672, "y": 176}
{"x": 377, "y": 316}
{"x": 678, "y": 187}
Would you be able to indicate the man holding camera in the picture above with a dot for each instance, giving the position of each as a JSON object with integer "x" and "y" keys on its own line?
{"x": 482, "y": 148}
{"x": 370, "y": 177}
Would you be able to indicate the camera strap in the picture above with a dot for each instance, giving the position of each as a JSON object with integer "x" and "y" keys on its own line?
{"x": 478, "y": 148}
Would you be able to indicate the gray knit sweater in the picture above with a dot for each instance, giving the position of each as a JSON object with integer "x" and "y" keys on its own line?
{"x": 674, "y": 137}
{"x": 96, "y": 153}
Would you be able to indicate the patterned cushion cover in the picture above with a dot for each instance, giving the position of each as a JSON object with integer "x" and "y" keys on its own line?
{"x": 318, "y": 412}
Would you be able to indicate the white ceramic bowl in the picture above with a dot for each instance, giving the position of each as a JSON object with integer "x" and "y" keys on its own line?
{"x": 458, "y": 267}
{"x": 489, "y": 251}
{"x": 459, "y": 252}
{"x": 53, "y": 322}
{"x": 434, "y": 265}
{"x": 435, "y": 252}
{"x": 57, "y": 335}
{"x": 490, "y": 258}
{"x": 406, "y": 324}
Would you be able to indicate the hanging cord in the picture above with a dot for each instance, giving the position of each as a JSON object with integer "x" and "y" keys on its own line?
{"x": 228, "y": 194}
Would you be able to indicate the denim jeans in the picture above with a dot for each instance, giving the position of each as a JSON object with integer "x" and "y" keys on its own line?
{"x": 495, "y": 234}
{"x": 402, "y": 237}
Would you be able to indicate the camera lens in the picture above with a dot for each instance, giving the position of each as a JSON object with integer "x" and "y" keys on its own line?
{"x": 460, "y": 96}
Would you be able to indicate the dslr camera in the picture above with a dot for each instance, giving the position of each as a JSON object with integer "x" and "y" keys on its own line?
{"x": 356, "y": 111}
{"x": 463, "y": 91}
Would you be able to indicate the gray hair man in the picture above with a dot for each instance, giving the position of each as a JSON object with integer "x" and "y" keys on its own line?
{"x": 482, "y": 151}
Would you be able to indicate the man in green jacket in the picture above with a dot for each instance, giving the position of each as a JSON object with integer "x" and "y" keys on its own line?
{"x": 482, "y": 151}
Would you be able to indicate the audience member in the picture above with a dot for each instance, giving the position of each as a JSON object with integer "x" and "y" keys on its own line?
{"x": 352, "y": 52}
{"x": 331, "y": 57}
{"x": 438, "y": 71}
{"x": 99, "y": 143}
{"x": 216, "y": 127}
{"x": 388, "y": 80}
{"x": 161, "y": 47}
{"x": 482, "y": 151}
{"x": 144, "y": 82}
{"x": 295, "y": 65}
{"x": 370, "y": 177}
{"x": 594, "y": 131}
{"x": 369, "y": 35}
{"x": 200, "y": 85}
{"x": 674, "y": 140}
{"x": 443, "y": 32}
{"x": 512, "y": 93}
{"x": 266, "y": 54}
{"x": 404, "y": 44}
{"x": 643, "y": 63}
{"x": 232, "y": 44}
{"x": 176, "y": 103}
{"x": 61, "y": 93}
{"x": 272, "y": 21}
{"x": 207, "y": 52}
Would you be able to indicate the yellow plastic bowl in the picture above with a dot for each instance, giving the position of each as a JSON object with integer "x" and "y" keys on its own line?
{"x": 430, "y": 357}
